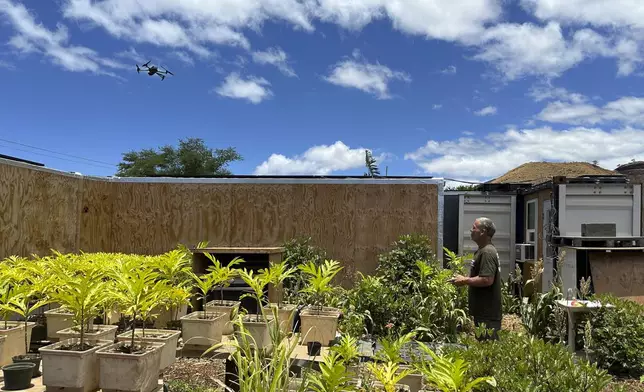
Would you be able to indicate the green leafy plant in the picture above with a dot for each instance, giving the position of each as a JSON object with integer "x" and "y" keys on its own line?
{"x": 388, "y": 375}
{"x": 519, "y": 363}
{"x": 277, "y": 274}
{"x": 333, "y": 376}
{"x": 617, "y": 336}
{"x": 257, "y": 283}
{"x": 399, "y": 264}
{"x": 137, "y": 291}
{"x": 204, "y": 284}
{"x": 319, "y": 281}
{"x": 81, "y": 294}
{"x": 24, "y": 303}
{"x": 299, "y": 251}
{"x": 223, "y": 275}
{"x": 449, "y": 374}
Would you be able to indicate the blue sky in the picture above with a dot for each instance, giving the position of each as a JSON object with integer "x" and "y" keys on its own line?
{"x": 465, "y": 90}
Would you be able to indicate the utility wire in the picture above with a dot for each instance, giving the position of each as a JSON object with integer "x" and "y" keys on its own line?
{"x": 104, "y": 166}
{"x": 55, "y": 152}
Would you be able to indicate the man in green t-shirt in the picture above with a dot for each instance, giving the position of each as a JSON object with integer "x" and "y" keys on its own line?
{"x": 484, "y": 282}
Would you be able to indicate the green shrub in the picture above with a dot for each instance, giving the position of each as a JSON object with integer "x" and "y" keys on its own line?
{"x": 299, "y": 251}
{"x": 399, "y": 264}
{"x": 618, "y": 336}
{"x": 522, "y": 363}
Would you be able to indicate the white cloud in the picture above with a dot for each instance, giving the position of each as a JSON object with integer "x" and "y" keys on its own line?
{"x": 546, "y": 91}
{"x": 7, "y": 65}
{"x": 184, "y": 57}
{"x": 626, "y": 110}
{"x": 370, "y": 78}
{"x": 33, "y": 37}
{"x": 439, "y": 19}
{"x": 253, "y": 89}
{"x": 317, "y": 160}
{"x": 276, "y": 57}
{"x": 486, "y": 111}
{"x": 437, "y": 106}
{"x": 186, "y": 24}
{"x": 490, "y": 156}
{"x": 451, "y": 70}
{"x": 618, "y": 13}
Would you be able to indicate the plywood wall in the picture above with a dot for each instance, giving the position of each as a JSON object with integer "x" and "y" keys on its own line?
{"x": 40, "y": 210}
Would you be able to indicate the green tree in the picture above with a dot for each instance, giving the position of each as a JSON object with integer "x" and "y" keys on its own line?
{"x": 191, "y": 158}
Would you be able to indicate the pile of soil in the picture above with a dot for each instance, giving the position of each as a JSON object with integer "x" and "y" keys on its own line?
{"x": 197, "y": 371}
{"x": 76, "y": 347}
{"x": 129, "y": 349}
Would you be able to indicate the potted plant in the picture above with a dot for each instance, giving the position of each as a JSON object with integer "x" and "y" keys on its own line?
{"x": 223, "y": 276}
{"x": 319, "y": 323}
{"x": 72, "y": 362}
{"x": 174, "y": 268}
{"x": 132, "y": 365}
{"x": 24, "y": 304}
{"x": 14, "y": 332}
{"x": 260, "y": 325}
{"x": 169, "y": 338}
{"x": 200, "y": 329}
{"x": 276, "y": 274}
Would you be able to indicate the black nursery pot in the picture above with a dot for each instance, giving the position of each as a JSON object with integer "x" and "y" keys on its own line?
{"x": 18, "y": 376}
{"x": 313, "y": 348}
{"x": 30, "y": 358}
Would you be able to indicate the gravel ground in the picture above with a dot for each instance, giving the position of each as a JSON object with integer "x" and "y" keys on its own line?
{"x": 625, "y": 386}
{"x": 201, "y": 372}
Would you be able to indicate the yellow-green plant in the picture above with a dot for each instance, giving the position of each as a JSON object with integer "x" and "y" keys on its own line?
{"x": 24, "y": 303}
{"x": 81, "y": 294}
{"x": 257, "y": 283}
{"x": 319, "y": 281}
{"x": 259, "y": 371}
{"x": 388, "y": 374}
{"x": 333, "y": 376}
{"x": 347, "y": 348}
{"x": 204, "y": 284}
{"x": 277, "y": 274}
{"x": 223, "y": 274}
{"x": 137, "y": 291}
{"x": 448, "y": 374}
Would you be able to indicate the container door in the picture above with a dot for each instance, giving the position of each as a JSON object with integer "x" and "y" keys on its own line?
{"x": 502, "y": 210}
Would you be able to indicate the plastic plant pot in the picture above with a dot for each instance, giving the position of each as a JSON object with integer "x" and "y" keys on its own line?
{"x": 18, "y": 376}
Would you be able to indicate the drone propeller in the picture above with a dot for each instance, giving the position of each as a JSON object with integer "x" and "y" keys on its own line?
{"x": 166, "y": 70}
{"x": 138, "y": 70}
{"x": 146, "y": 64}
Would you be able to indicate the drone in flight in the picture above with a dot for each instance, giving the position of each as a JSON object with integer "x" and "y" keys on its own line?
{"x": 152, "y": 70}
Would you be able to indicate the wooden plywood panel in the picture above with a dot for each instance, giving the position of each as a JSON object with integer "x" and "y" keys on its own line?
{"x": 304, "y": 214}
{"x": 154, "y": 218}
{"x": 96, "y": 214}
{"x": 38, "y": 211}
{"x": 619, "y": 273}
{"x": 261, "y": 215}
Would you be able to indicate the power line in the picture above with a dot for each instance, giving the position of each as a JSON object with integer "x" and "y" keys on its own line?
{"x": 55, "y": 152}
{"x": 104, "y": 166}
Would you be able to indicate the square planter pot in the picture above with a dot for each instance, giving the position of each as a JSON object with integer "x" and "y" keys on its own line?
{"x": 200, "y": 332}
{"x": 14, "y": 343}
{"x": 284, "y": 316}
{"x": 227, "y": 308}
{"x": 129, "y": 372}
{"x": 57, "y": 320}
{"x": 99, "y": 332}
{"x": 166, "y": 315}
{"x": 169, "y": 338}
{"x": 320, "y": 327}
{"x": 74, "y": 371}
{"x": 260, "y": 331}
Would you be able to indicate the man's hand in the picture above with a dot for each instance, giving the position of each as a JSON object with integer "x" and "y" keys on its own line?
{"x": 459, "y": 280}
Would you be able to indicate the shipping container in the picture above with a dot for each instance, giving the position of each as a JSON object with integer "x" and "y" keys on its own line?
{"x": 501, "y": 209}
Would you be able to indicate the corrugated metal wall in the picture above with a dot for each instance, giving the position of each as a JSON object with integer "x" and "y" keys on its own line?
{"x": 502, "y": 210}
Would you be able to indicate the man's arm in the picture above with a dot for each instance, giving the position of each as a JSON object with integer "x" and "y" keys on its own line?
{"x": 486, "y": 274}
